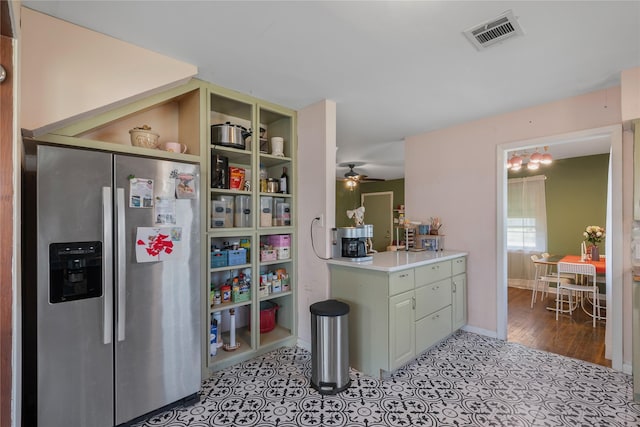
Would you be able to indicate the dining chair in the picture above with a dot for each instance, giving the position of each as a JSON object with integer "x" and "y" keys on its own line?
{"x": 581, "y": 291}
{"x": 543, "y": 277}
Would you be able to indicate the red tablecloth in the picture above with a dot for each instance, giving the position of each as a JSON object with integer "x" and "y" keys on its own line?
{"x": 601, "y": 266}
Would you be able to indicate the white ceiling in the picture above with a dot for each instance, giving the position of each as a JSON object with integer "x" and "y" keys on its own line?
{"x": 394, "y": 68}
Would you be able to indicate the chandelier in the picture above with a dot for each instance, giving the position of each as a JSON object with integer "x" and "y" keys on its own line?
{"x": 533, "y": 160}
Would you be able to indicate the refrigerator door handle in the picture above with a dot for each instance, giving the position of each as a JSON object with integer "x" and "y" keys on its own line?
{"x": 107, "y": 266}
{"x": 121, "y": 264}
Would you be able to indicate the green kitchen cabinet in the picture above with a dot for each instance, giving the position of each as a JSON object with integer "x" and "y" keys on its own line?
{"x": 396, "y": 315}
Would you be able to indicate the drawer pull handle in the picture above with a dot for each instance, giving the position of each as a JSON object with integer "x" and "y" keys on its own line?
{"x": 413, "y": 302}
{"x": 403, "y": 275}
{"x": 437, "y": 316}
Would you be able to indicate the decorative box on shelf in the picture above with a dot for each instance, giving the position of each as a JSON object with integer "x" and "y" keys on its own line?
{"x": 283, "y": 252}
{"x": 280, "y": 240}
{"x": 268, "y": 255}
{"x": 264, "y": 291}
{"x": 430, "y": 242}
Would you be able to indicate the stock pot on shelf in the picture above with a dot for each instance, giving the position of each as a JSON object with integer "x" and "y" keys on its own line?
{"x": 229, "y": 135}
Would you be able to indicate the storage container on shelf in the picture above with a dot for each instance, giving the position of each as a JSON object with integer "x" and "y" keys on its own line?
{"x": 242, "y": 215}
{"x": 228, "y": 208}
{"x": 225, "y": 291}
{"x": 246, "y": 245}
{"x": 236, "y": 256}
{"x": 283, "y": 252}
{"x": 219, "y": 258}
{"x": 268, "y": 311}
{"x": 268, "y": 255}
{"x": 266, "y": 213}
{"x": 279, "y": 240}
{"x": 282, "y": 214}
{"x": 240, "y": 291}
{"x": 218, "y": 217}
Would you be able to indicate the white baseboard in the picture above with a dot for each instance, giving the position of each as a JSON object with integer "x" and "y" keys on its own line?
{"x": 480, "y": 331}
{"x": 305, "y": 345}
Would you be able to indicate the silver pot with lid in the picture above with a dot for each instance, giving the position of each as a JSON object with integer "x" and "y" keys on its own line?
{"x": 229, "y": 135}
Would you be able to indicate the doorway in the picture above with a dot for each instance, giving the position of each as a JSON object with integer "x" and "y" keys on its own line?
{"x": 613, "y": 242}
{"x": 378, "y": 211}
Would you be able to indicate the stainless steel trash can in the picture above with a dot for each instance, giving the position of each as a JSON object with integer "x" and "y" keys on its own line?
{"x": 330, "y": 346}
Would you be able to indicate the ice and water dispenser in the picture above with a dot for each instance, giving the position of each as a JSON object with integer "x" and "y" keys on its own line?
{"x": 75, "y": 271}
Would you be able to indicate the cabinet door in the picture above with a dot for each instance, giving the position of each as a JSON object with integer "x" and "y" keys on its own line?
{"x": 459, "y": 299}
{"x": 432, "y": 272}
{"x": 458, "y": 266}
{"x": 400, "y": 281}
{"x": 433, "y": 328}
{"x": 432, "y": 297}
{"x": 636, "y": 171}
{"x": 401, "y": 329}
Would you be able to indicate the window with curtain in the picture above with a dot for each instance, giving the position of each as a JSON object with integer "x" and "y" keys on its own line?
{"x": 526, "y": 214}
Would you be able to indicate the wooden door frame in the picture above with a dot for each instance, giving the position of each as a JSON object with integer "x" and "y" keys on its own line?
{"x": 6, "y": 218}
{"x": 381, "y": 193}
{"x": 614, "y": 232}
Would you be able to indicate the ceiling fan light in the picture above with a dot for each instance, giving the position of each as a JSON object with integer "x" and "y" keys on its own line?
{"x": 536, "y": 157}
{"x": 533, "y": 166}
{"x": 546, "y": 159}
{"x": 516, "y": 167}
{"x": 516, "y": 161}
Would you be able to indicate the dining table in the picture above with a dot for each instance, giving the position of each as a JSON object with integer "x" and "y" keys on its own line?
{"x": 553, "y": 260}
{"x": 601, "y": 265}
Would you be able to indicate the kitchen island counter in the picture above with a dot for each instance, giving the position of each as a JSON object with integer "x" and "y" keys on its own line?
{"x": 401, "y": 303}
{"x": 400, "y": 260}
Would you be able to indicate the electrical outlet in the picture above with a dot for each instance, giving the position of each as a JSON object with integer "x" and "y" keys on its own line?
{"x": 320, "y": 221}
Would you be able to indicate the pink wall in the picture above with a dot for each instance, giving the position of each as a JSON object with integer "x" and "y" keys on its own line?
{"x": 316, "y": 195}
{"x": 630, "y": 82}
{"x": 460, "y": 185}
{"x": 70, "y": 72}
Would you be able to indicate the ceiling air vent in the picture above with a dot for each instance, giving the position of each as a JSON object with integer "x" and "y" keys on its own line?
{"x": 494, "y": 31}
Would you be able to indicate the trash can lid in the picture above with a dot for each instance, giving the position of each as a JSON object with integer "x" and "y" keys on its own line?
{"x": 330, "y": 307}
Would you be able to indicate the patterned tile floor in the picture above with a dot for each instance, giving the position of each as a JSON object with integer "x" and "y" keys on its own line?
{"x": 467, "y": 380}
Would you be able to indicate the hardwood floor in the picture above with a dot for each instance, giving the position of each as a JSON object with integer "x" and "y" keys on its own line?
{"x": 572, "y": 336}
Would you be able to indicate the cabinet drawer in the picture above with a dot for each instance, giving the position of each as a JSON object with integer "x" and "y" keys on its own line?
{"x": 432, "y": 329}
{"x": 458, "y": 266}
{"x": 400, "y": 281}
{"x": 432, "y": 272}
{"x": 433, "y": 297}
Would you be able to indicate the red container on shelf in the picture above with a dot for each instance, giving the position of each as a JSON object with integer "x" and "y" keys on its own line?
{"x": 236, "y": 178}
{"x": 267, "y": 316}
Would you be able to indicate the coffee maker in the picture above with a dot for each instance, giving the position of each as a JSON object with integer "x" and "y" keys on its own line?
{"x": 350, "y": 243}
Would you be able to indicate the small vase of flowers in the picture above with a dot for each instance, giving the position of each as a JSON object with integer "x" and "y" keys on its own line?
{"x": 594, "y": 235}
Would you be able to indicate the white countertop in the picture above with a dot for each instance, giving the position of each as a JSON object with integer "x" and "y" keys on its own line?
{"x": 400, "y": 260}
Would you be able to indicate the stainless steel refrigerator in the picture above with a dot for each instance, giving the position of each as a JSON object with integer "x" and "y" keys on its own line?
{"x": 111, "y": 330}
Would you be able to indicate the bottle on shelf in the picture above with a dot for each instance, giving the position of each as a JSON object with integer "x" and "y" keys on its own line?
{"x": 284, "y": 181}
{"x": 263, "y": 178}
{"x": 213, "y": 337}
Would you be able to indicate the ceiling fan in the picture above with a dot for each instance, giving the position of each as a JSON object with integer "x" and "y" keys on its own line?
{"x": 352, "y": 175}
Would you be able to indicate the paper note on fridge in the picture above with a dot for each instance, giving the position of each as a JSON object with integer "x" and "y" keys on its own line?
{"x": 158, "y": 244}
{"x": 140, "y": 193}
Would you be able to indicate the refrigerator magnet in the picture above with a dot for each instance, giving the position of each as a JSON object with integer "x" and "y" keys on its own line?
{"x": 185, "y": 186}
{"x": 140, "y": 193}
